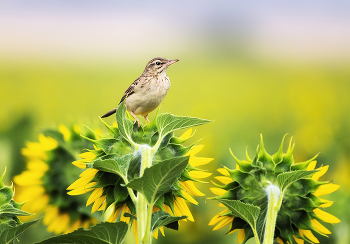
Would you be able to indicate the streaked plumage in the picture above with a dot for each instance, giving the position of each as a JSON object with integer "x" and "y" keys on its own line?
{"x": 148, "y": 91}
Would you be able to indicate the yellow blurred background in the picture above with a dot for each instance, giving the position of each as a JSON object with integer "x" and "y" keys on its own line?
{"x": 252, "y": 67}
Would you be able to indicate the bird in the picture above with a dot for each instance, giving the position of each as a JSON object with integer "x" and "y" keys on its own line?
{"x": 146, "y": 93}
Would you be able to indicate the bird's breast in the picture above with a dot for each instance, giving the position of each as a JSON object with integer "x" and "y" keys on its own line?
{"x": 148, "y": 96}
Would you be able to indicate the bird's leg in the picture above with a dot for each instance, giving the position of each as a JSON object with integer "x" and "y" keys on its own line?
{"x": 146, "y": 118}
{"x": 136, "y": 119}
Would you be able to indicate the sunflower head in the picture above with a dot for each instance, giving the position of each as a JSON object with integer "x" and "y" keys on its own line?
{"x": 301, "y": 210}
{"x": 49, "y": 172}
{"x": 116, "y": 161}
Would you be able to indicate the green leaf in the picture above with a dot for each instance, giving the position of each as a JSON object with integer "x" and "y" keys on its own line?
{"x": 287, "y": 178}
{"x": 9, "y": 209}
{"x": 162, "y": 218}
{"x": 158, "y": 179}
{"x": 167, "y": 123}
{"x": 9, "y": 234}
{"x": 117, "y": 165}
{"x": 104, "y": 233}
{"x": 247, "y": 212}
{"x": 125, "y": 125}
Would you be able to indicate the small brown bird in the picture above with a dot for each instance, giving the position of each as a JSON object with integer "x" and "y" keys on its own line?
{"x": 148, "y": 91}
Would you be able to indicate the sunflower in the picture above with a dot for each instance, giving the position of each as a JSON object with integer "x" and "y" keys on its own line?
{"x": 47, "y": 176}
{"x": 302, "y": 209}
{"x": 107, "y": 190}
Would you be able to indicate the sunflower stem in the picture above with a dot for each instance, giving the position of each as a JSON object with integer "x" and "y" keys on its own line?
{"x": 273, "y": 194}
{"x": 143, "y": 208}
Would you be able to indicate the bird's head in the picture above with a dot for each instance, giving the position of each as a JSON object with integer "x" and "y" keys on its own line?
{"x": 158, "y": 65}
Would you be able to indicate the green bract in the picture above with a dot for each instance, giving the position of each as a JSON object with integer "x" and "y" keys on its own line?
{"x": 272, "y": 198}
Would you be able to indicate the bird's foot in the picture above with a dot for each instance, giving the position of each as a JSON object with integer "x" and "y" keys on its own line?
{"x": 136, "y": 119}
{"x": 146, "y": 118}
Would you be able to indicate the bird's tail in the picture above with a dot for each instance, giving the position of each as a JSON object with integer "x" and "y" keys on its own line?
{"x": 109, "y": 113}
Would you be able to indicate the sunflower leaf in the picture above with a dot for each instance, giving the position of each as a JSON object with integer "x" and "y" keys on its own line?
{"x": 9, "y": 234}
{"x": 167, "y": 123}
{"x": 158, "y": 179}
{"x": 117, "y": 165}
{"x": 125, "y": 125}
{"x": 247, "y": 212}
{"x": 162, "y": 218}
{"x": 287, "y": 178}
{"x": 103, "y": 233}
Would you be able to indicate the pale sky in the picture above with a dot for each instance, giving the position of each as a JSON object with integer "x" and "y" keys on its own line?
{"x": 316, "y": 29}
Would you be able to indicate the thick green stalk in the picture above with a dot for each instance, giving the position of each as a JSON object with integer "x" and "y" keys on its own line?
{"x": 142, "y": 206}
{"x": 273, "y": 194}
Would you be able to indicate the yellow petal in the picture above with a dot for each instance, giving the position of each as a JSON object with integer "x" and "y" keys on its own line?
{"x": 199, "y": 174}
{"x": 77, "y": 129}
{"x": 326, "y": 217}
{"x": 113, "y": 217}
{"x": 62, "y": 225}
{"x": 186, "y": 135}
{"x": 279, "y": 240}
{"x": 311, "y": 165}
{"x": 47, "y": 143}
{"x": 189, "y": 197}
{"x": 198, "y": 161}
{"x": 308, "y": 234}
{"x": 320, "y": 173}
{"x": 88, "y": 173}
{"x": 30, "y": 193}
{"x": 103, "y": 206}
{"x": 191, "y": 188}
{"x": 64, "y": 131}
{"x": 319, "y": 227}
{"x": 225, "y": 221}
{"x": 134, "y": 225}
{"x": 327, "y": 204}
{"x": 79, "y": 164}
{"x": 74, "y": 226}
{"x": 326, "y": 189}
{"x": 86, "y": 224}
{"x": 232, "y": 231}
{"x": 218, "y": 191}
{"x": 50, "y": 215}
{"x": 28, "y": 178}
{"x": 37, "y": 166}
{"x": 40, "y": 203}
{"x": 94, "y": 195}
{"x": 184, "y": 208}
{"x": 241, "y": 235}
{"x": 298, "y": 241}
{"x": 87, "y": 155}
{"x": 98, "y": 203}
{"x": 223, "y": 171}
{"x": 195, "y": 149}
{"x": 125, "y": 210}
{"x": 82, "y": 190}
{"x": 217, "y": 217}
{"x": 155, "y": 234}
{"x": 222, "y": 205}
{"x": 81, "y": 182}
{"x": 162, "y": 230}
{"x": 224, "y": 179}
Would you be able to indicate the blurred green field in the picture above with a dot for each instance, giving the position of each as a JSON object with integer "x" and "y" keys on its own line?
{"x": 243, "y": 96}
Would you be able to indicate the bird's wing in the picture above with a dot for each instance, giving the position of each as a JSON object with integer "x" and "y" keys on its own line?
{"x": 130, "y": 90}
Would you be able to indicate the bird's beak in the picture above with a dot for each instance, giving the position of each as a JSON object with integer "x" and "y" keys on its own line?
{"x": 172, "y": 61}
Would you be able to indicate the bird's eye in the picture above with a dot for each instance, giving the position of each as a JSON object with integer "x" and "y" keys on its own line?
{"x": 157, "y": 63}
